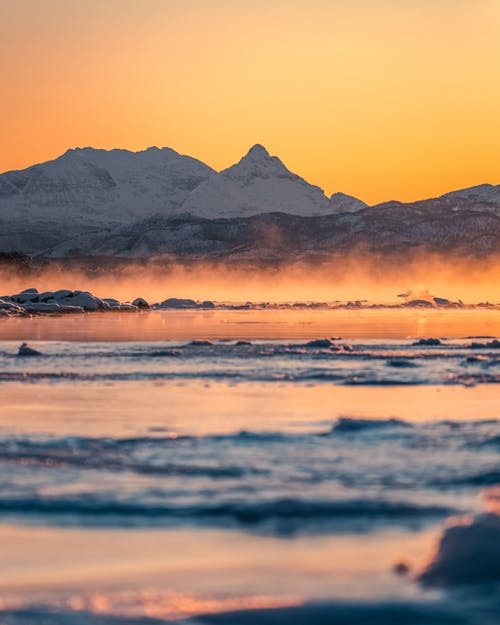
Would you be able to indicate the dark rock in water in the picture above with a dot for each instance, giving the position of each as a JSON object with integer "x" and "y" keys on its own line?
{"x": 62, "y": 294}
{"x": 427, "y": 342}
{"x": 200, "y": 343}
{"x": 242, "y": 343}
{"x": 419, "y": 303}
{"x": 446, "y": 303}
{"x": 26, "y": 350}
{"x": 401, "y": 568}
{"x": 474, "y": 359}
{"x": 319, "y": 343}
{"x": 401, "y": 363}
{"x": 208, "y": 305}
{"x": 495, "y": 344}
{"x": 174, "y": 302}
{"x": 349, "y": 424}
{"x": 342, "y": 348}
{"x": 141, "y": 303}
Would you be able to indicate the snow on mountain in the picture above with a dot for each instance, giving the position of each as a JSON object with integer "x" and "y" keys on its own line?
{"x": 259, "y": 183}
{"x": 156, "y": 202}
{"x": 89, "y": 186}
{"x": 342, "y": 203}
{"x": 480, "y": 194}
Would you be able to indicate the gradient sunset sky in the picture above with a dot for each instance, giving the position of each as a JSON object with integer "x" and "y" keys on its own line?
{"x": 378, "y": 98}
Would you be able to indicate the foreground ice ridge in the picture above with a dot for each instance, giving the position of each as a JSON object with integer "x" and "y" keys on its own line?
{"x": 32, "y": 301}
{"x": 173, "y": 491}
{"x": 333, "y": 612}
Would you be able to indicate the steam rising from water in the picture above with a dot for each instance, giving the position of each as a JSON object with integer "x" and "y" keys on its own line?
{"x": 348, "y": 278}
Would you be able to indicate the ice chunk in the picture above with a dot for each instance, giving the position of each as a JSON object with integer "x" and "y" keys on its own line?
{"x": 468, "y": 553}
{"x": 26, "y": 350}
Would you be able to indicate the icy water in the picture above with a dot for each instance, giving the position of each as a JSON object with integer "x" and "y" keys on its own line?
{"x": 226, "y": 467}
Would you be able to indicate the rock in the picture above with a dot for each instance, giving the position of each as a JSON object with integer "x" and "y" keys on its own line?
{"x": 242, "y": 343}
{"x": 85, "y": 300}
{"x": 113, "y": 304}
{"x": 319, "y": 343}
{"x": 42, "y": 307}
{"x": 46, "y": 296}
{"x": 494, "y": 344}
{"x": 208, "y": 305}
{"x": 419, "y": 303}
{"x": 10, "y": 306}
{"x": 427, "y": 342}
{"x": 401, "y": 363}
{"x": 141, "y": 303}
{"x": 401, "y": 568}
{"x": 174, "y": 302}
{"x": 67, "y": 308}
{"x": 342, "y": 348}
{"x": 441, "y": 301}
{"x": 62, "y": 293}
{"x": 200, "y": 343}
{"x": 22, "y": 298}
{"x": 351, "y": 424}
{"x": 63, "y": 300}
{"x": 26, "y": 350}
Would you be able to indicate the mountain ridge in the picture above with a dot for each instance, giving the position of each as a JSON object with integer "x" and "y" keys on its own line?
{"x": 90, "y": 201}
{"x": 117, "y": 186}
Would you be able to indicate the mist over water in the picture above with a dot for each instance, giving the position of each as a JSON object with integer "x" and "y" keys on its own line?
{"x": 355, "y": 277}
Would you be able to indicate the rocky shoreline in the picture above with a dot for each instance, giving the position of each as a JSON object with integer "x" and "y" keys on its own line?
{"x": 33, "y": 302}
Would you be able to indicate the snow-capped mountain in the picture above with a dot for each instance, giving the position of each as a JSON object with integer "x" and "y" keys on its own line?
{"x": 88, "y": 187}
{"x": 259, "y": 183}
{"x": 157, "y": 202}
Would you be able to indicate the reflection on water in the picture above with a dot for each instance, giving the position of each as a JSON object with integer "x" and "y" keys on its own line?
{"x": 170, "y": 573}
{"x": 253, "y": 324}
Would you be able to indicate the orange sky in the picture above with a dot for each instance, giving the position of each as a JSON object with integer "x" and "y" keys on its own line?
{"x": 379, "y": 98}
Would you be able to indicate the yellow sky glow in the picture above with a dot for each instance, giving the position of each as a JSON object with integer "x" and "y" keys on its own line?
{"x": 378, "y": 98}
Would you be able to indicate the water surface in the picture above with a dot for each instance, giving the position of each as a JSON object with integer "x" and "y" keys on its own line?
{"x": 146, "y": 476}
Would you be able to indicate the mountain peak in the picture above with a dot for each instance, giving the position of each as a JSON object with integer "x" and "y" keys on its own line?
{"x": 257, "y": 163}
{"x": 257, "y": 152}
